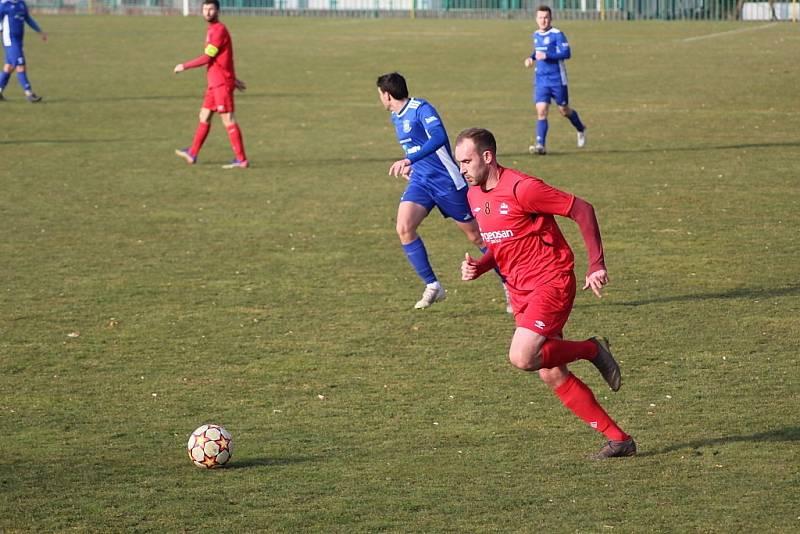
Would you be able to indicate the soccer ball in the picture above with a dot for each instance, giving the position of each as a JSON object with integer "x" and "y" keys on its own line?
{"x": 210, "y": 446}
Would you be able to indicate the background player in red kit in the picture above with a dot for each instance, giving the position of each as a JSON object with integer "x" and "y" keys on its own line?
{"x": 515, "y": 215}
{"x": 218, "y": 56}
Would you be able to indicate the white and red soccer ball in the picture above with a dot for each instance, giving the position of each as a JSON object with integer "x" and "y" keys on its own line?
{"x": 210, "y": 446}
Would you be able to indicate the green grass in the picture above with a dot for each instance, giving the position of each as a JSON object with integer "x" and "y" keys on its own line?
{"x": 242, "y": 297}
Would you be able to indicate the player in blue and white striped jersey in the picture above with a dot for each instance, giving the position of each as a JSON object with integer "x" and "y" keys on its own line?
{"x": 13, "y": 17}
{"x": 551, "y": 50}
{"x": 433, "y": 178}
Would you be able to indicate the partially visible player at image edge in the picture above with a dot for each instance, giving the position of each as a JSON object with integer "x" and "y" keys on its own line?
{"x": 550, "y": 51}
{"x": 515, "y": 213}
{"x": 13, "y": 17}
{"x": 222, "y": 81}
{"x": 433, "y": 178}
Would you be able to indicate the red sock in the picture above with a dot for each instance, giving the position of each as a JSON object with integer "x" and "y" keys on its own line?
{"x": 558, "y": 352}
{"x": 199, "y": 137}
{"x": 235, "y": 135}
{"x": 577, "y": 396}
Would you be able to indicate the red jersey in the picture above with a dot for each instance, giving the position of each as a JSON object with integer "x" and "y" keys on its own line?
{"x": 220, "y": 49}
{"x": 517, "y": 224}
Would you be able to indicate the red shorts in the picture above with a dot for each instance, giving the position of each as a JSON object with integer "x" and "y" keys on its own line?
{"x": 545, "y": 310}
{"x": 219, "y": 99}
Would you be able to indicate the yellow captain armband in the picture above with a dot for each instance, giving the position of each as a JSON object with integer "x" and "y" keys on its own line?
{"x": 211, "y": 50}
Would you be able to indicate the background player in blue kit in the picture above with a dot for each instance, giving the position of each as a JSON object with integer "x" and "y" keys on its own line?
{"x": 433, "y": 178}
{"x": 13, "y": 17}
{"x": 551, "y": 49}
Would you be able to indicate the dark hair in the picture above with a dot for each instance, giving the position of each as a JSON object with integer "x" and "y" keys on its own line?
{"x": 481, "y": 138}
{"x": 215, "y": 2}
{"x": 544, "y": 8}
{"x": 394, "y": 84}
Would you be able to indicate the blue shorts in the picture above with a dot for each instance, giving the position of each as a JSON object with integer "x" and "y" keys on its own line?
{"x": 14, "y": 55}
{"x": 559, "y": 93}
{"x": 453, "y": 204}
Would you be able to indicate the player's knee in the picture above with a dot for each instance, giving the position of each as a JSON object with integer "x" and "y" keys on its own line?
{"x": 554, "y": 377}
{"x": 565, "y": 112}
{"x": 524, "y": 361}
{"x": 406, "y": 232}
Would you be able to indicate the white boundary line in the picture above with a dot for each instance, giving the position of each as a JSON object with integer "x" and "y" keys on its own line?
{"x": 720, "y": 34}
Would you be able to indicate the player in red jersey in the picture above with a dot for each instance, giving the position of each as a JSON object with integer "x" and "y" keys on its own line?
{"x": 218, "y": 57}
{"x": 515, "y": 213}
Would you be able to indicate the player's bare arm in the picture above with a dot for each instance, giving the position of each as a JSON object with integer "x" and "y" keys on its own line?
{"x": 239, "y": 84}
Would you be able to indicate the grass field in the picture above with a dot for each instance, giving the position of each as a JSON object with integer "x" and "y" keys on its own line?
{"x": 276, "y": 301}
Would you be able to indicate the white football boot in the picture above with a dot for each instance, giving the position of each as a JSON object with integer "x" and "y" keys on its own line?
{"x": 433, "y": 293}
{"x": 538, "y": 149}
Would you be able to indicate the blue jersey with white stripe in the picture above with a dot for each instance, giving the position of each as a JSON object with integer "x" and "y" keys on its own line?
{"x": 433, "y": 166}
{"x": 13, "y": 17}
{"x": 551, "y": 71}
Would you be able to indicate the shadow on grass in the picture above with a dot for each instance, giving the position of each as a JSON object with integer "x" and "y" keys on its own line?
{"x": 779, "y": 434}
{"x": 549, "y": 155}
{"x": 245, "y": 463}
{"x": 702, "y": 148}
{"x": 79, "y": 141}
{"x": 698, "y": 148}
{"x": 162, "y": 98}
{"x": 739, "y": 293}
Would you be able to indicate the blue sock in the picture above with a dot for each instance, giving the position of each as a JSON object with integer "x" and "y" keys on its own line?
{"x": 576, "y": 121}
{"x": 22, "y": 77}
{"x": 418, "y": 258}
{"x": 4, "y": 76}
{"x": 541, "y": 131}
